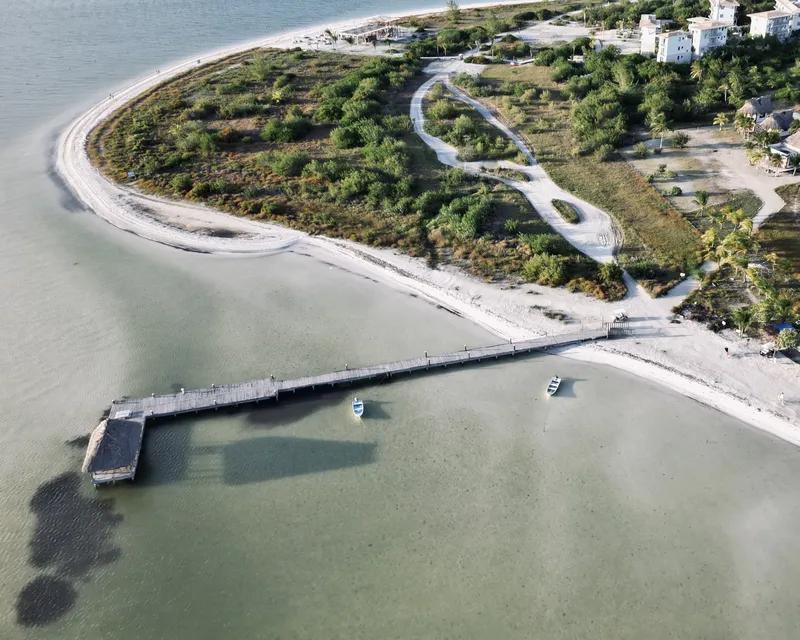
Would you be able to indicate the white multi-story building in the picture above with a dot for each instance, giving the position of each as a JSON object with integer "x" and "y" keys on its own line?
{"x": 724, "y": 11}
{"x": 674, "y": 46}
{"x": 649, "y": 27}
{"x": 707, "y": 35}
{"x": 792, "y": 7}
{"x": 770, "y": 23}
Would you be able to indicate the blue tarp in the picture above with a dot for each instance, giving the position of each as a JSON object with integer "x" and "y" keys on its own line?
{"x": 785, "y": 325}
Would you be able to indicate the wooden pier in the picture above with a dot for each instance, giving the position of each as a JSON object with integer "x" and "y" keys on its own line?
{"x": 114, "y": 448}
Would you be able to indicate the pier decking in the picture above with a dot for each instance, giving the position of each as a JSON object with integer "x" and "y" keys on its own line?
{"x": 114, "y": 448}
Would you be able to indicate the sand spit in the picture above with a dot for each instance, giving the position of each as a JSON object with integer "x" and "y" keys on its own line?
{"x": 684, "y": 357}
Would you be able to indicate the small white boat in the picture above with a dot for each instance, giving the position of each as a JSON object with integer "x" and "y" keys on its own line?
{"x": 358, "y": 407}
{"x": 553, "y": 386}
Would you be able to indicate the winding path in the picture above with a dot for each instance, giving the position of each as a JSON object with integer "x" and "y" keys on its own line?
{"x": 595, "y": 235}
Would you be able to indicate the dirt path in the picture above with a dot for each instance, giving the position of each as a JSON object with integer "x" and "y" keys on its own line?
{"x": 595, "y": 235}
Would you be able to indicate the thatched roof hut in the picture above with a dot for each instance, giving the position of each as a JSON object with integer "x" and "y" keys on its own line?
{"x": 793, "y": 141}
{"x": 756, "y": 107}
{"x": 113, "y": 451}
{"x": 777, "y": 121}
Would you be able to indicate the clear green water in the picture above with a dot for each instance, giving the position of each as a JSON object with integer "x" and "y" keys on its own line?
{"x": 466, "y": 505}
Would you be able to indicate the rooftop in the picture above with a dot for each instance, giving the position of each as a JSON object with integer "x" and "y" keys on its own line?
{"x": 769, "y": 15}
{"x": 790, "y": 6}
{"x": 672, "y": 34}
{"x": 727, "y": 3}
{"x": 708, "y": 24}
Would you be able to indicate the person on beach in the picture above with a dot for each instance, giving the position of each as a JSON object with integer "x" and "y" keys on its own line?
{"x": 727, "y": 353}
{"x": 782, "y": 402}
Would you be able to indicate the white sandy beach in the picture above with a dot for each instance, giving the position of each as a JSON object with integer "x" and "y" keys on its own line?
{"x": 685, "y": 357}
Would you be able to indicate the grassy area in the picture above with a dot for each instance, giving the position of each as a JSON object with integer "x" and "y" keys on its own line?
{"x": 567, "y": 211}
{"x": 781, "y": 233}
{"x": 510, "y": 174}
{"x": 746, "y": 201}
{"x": 461, "y": 126}
{"x": 658, "y": 242}
{"x": 322, "y": 142}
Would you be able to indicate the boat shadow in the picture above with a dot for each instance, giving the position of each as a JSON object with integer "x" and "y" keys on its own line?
{"x": 567, "y": 387}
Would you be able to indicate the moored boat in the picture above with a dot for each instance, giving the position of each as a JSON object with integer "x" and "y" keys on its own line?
{"x": 358, "y": 407}
{"x": 555, "y": 382}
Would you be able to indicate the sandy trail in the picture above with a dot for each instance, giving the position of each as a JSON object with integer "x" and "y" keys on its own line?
{"x": 595, "y": 235}
{"x": 683, "y": 357}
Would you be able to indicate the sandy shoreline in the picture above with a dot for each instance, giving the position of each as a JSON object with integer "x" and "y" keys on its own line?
{"x": 684, "y": 357}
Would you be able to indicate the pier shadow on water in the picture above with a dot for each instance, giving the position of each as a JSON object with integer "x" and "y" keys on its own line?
{"x": 274, "y": 457}
{"x": 169, "y": 454}
{"x": 291, "y": 409}
{"x": 72, "y": 536}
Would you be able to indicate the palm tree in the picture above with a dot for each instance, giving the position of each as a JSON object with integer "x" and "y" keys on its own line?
{"x": 755, "y": 156}
{"x": 710, "y": 238}
{"x": 747, "y": 225}
{"x": 701, "y": 199}
{"x": 734, "y": 216}
{"x": 724, "y": 87}
{"x": 721, "y": 119}
{"x": 492, "y": 27}
{"x": 794, "y": 162}
{"x": 743, "y": 318}
{"x": 743, "y": 123}
{"x": 332, "y": 36}
{"x": 658, "y": 127}
{"x": 697, "y": 70}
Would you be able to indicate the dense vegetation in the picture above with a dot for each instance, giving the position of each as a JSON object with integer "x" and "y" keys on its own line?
{"x": 658, "y": 243}
{"x": 463, "y": 127}
{"x": 757, "y": 282}
{"x": 322, "y": 142}
{"x": 612, "y": 93}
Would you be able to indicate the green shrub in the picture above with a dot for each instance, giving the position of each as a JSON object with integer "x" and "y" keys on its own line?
{"x": 545, "y": 243}
{"x": 182, "y": 183}
{"x": 675, "y": 191}
{"x": 329, "y": 111}
{"x": 610, "y": 272}
{"x": 345, "y": 138}
{"x": 282, "y": 80}
{"x": 355, "y": 110}
{"x": 604, "y": 152}
{"x": 640, "y": 151}
{"x": 443, "y": 109}
{"x": 201, "y": 190}
{"x": 511, "y": 226}
{"x": 286, "y": 163}
{"x": 546, "y": 270}
{"x": 680, "y": 140}
{"x": 290, "y": 129}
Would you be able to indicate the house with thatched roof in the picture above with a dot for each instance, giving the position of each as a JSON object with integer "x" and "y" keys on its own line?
{"x": 776, "y": 121}
{"x": 756, "y": 107}
{"x": 788, "y": 149}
